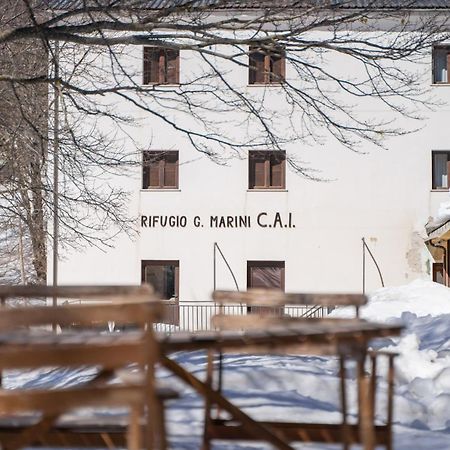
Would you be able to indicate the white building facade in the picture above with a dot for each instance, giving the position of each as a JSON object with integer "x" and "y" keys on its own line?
{"x": 256, "y": 222}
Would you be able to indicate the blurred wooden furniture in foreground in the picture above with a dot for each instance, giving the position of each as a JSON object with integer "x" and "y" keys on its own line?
{"x": 25, "y": 342}
{"x": 346, "y": 338}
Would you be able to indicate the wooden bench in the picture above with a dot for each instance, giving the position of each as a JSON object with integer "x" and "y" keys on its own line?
{"x": 24, "y": 343}
{"x": 268, "y": 304}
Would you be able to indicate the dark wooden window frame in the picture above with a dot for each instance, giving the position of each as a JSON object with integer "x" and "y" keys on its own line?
{"x": 162, "y": 162}
{"x": 433, "y": 154}
{"x": 267, "y": 156}
{"x": 162, "y": 74}
{"x": 171, "y": 314}
{"x": 445, "y": 47}
{"x": 269, "y": 75}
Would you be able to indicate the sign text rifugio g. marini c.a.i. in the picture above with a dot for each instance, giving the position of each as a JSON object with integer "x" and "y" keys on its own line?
{"x": 261, "y": 220}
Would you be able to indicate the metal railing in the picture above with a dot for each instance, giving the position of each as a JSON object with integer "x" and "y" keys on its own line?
{"x": 196, "y": 316}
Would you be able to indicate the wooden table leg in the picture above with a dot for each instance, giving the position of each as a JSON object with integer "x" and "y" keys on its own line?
{"x": 256, "y": 429}
{"x": 366, "y": 422}
{"x": 206, "y": 444}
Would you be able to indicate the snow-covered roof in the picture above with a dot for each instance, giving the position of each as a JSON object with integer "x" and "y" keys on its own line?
{"x": 255, "y": 4}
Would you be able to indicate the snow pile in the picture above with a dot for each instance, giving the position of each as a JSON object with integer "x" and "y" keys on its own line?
{"x": 423, "y": 365}
{"x": 420, "y": 297}
{"x": 444, "y": 211}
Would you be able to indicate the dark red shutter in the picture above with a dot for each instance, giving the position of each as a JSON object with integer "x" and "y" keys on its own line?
{"x": 256, "y": 67}
{"x": 277, "y": 170}
{"x": 172, "y": 63}
{"x": 147, "y": 79}
{"x": 154, "y": 170}
{"x": 151, "y": 65}
{"x": 171, "y": 170}
{"x": 266, "y": 274}
{"x": 277, "y": 69}
{"x": 145, "y": 171}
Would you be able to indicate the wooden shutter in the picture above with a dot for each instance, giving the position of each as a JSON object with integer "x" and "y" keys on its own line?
{"x": 266, "y": 274}
{"x": 147, "y": 65}
{"x": 154, "y": 170}
{"x": 171, "y": 169}
{"x": 277, "y": 170}
{"x": 172, "y": 65}
{"x": 145, "y": 171}
{"x": 278, "y": 63}
{"x": 256, "y": 66}
{"x": 151, "y": 65}
{"x": 257, "y": 175}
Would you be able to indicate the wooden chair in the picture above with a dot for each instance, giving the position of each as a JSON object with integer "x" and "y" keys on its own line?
{"x": 270, "y": 304}
{"x": 25, "y": 344}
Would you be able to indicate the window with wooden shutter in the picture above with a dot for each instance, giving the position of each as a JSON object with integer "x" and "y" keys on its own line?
{"x": 266, "y": 66}
{"x": 160, "y": 170}
{"x": 161, "y": 66}
{"x": 267, "y": 169}
{"x": 265, "y": 275}
{"x": 440, "y": 169}
{"x": 441, "y": 64}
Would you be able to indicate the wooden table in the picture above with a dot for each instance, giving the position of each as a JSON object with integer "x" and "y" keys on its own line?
{"x": 348, "y": 337}
{"x": 351, "y": 337}
{"x": 27, "y": 342}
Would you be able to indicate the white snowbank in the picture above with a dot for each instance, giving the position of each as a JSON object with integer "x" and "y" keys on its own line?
{"x": 423, "y": 365}
{"x": 420, "y": 297}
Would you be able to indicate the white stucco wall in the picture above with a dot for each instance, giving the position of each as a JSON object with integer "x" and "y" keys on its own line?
{"x": 382, "y": 195}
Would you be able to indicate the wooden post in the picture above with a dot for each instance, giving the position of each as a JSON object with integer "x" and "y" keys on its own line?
{"x": 366, "y": 425}
{"x": 345, "y": 430}
{"x": 390, "y": 411}
{"x": 206, "y": 444}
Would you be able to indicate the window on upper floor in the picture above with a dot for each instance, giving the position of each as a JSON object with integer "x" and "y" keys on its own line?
{"x": 441, "y": 64}
{"x": 267, "y": 169}
{"x": 440, "y": 169}
{"x": 160, "y": 169}
{"x": 266, "y": 67}
{"x": 161, "y": 66}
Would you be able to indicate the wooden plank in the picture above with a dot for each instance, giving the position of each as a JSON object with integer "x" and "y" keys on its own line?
{"x": 351, "y": 334}
{"x": 66, "y": 437}
{"x": 262, "y": 321}
{"x": 269, "y": 297}
{"x": 301, "y": 432}
{"x": 85, "y": 314}
{"x": 36, "y": 291}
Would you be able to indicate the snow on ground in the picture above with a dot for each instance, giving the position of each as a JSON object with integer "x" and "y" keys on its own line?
{"x": 306, "y": 388}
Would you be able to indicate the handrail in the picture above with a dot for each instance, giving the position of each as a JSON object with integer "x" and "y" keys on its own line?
{"x": 365, "y": 246}
{"x": 216, "y": 246}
